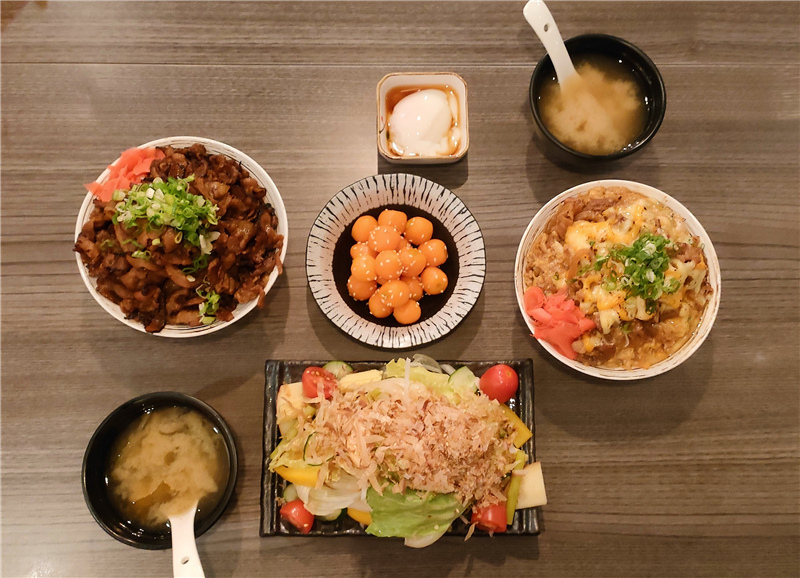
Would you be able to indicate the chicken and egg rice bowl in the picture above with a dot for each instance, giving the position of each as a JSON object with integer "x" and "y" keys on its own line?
{"x": 616, "y": 280}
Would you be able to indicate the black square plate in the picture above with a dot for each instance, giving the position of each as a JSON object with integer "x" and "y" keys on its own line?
{"x": 526, "y": 522}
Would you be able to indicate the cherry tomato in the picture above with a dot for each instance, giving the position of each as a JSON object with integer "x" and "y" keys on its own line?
{"x": 316, "y": 378}
{"x": 500, "y": 382}
{"x": 491, "y": 518}
{"x": 296, "y": 514}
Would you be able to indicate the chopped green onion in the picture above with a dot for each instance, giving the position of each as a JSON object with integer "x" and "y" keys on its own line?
{"x": 644, "y": 263}
{"x": 210, "y": 304}
{"x": 170, "y": 204}
{"x": 199, "y": 262}
{"x": 139, "y": 254}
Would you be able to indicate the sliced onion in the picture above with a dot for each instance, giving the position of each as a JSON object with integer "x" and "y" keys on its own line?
{"x": 426, "y": 362}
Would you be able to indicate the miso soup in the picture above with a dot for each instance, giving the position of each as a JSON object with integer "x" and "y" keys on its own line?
{"x": 163, "y": 463}
{"x": 599, "y": 111}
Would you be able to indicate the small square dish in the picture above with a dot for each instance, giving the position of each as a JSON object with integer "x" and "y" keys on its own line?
{"x": 526, "y": 522}
{"x": 422, "y": 117}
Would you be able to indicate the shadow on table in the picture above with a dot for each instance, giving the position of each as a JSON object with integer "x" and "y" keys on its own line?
{"x": 353, "y": 350}
{"x": 450, "y": 176}
{"x": 548, "y": 177}
{"x": 604, "y": 410}
{"x": 208, "y": 367}
{"x": 385, "y": 557}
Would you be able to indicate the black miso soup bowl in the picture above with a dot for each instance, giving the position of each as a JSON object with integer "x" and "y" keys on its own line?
{"x": 95, "y": 460}
{"x": 636, "y": 61}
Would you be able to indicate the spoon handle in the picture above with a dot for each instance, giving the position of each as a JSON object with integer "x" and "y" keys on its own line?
{"x": 185, "y": 559}
{"x": 542, "y": 22}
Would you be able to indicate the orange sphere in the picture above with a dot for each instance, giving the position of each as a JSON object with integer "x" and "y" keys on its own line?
{"x": 361, "y": 249}
{"x": 435, "y": 252}
{"x": 383, "y": 238}
{"x": 413, "y": 261}
{"x": 361, "y": 290}
{"x": 434, "y": 281}
{"x": 377, "y": 307}
{"x": 414, "y": 286}
{"x": 363, "y": 268}
{"x": 419, "y": 230}
{"x": 388, "y": 265}
{"x": 394, "y": 293}
{"x": 395, "y": 219}
{"x": 403, "y": 244}
{"x": 408, "y": 313}
{"x": 363, "y": 227}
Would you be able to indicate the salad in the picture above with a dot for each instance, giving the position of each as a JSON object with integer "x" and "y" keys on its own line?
{"x": 404, "y": 450}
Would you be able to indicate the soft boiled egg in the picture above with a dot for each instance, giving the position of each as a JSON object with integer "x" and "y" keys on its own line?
{"x": 422, "y": 124}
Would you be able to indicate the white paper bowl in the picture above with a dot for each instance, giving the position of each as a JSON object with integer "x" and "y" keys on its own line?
{"x": 422, "y": 80}
{"x": 273, "y": 197}
{"x": 541, "y": 219}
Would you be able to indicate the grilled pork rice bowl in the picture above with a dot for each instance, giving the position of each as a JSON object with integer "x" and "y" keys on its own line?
{"x": 207, "y": 263}
{"x": 617, "y": 280}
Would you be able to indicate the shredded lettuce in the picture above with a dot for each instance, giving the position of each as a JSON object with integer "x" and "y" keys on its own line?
{"x": 412, "y": 514}
{"x": 437, "y": 382}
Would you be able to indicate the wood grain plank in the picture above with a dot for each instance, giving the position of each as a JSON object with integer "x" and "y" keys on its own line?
{"x": 696, "y": 472}
{"x": 414, "y": 34}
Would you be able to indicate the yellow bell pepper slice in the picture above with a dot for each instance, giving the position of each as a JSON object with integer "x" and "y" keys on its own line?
{"x": 523, "y": 433}
{"x": 300, "y": 476}
{"x": 359, "y": 516}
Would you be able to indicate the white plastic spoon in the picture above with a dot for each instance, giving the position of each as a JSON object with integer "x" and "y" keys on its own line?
{"x": 185, "y": 559}
{"x": 540, "y": 19}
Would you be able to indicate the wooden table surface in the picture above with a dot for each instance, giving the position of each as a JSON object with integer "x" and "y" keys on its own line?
{"x": 693, "y": 473}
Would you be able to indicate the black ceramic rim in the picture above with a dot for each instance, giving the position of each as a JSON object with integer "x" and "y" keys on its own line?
{"x": 658, "y": 85}
{"x": 155, "y": 400}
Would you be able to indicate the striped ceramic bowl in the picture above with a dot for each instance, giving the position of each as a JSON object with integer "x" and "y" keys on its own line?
{"x": 328, "y": 259}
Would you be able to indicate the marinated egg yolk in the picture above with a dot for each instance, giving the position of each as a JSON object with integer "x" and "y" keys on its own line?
{"x": 377, "y": 307}
{"x": 388, "y": 265}
{"x": 363, "y": 268}
{"x": 394, "y": 219}
{"x": 383, "y": 238}
{"x": 363, "y": 227}
{"x": 360, "y": 290}
{"x": 434, "y": 281}
{"x": 414, "y": 286}
{"x": 362, "y": 249}
{"x": 435, "y": 252}
{"x": 394, "y": 293}
{"x": 414, "y": 262}
{"x": 408, "y": 313}
{"x": 419, "y": 230}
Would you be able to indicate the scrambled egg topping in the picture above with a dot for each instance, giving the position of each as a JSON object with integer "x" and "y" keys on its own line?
{"x": 601, "y": 246}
